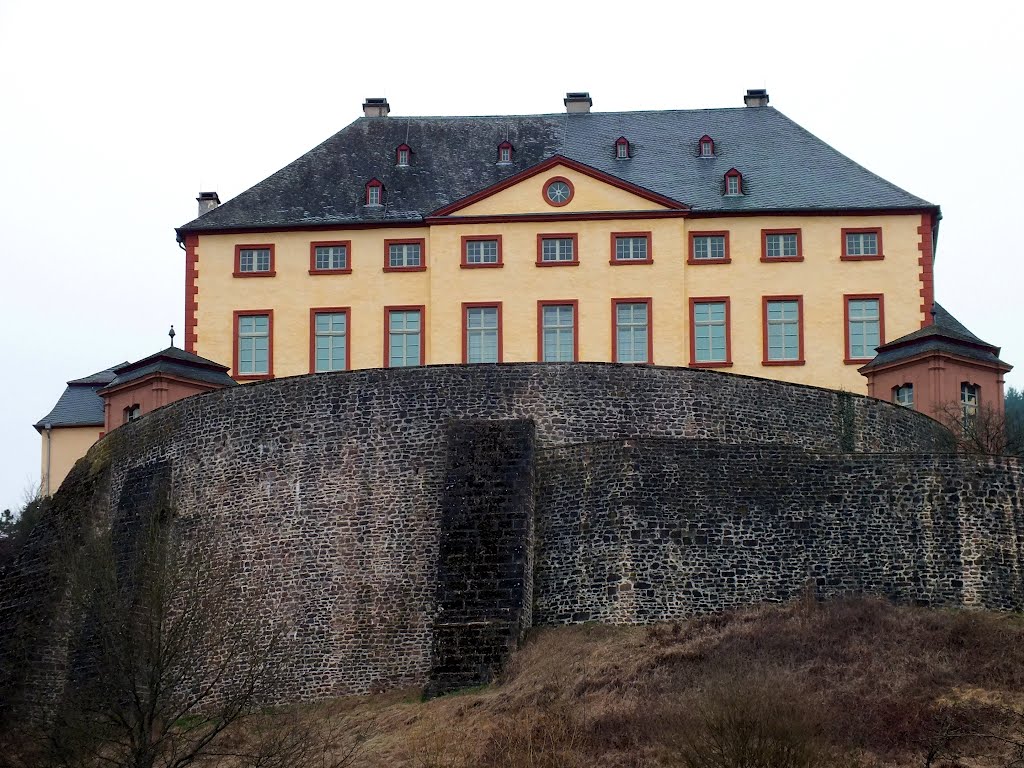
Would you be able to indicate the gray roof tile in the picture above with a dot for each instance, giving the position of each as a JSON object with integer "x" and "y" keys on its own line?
{"x": 784, "y": 167}
{"x": 80, "y": 405}
{"x": 176, "y": 362}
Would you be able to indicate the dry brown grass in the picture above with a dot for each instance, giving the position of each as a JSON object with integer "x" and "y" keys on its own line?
{"x": 850, "y": 683}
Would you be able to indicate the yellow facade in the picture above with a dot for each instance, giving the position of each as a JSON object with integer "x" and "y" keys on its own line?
{"x": 61, "y": 448}
{"x": 822, "y": 278}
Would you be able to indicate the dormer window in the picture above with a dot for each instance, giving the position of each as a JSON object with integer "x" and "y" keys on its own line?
{"x": 733, "y": 182}
{"x": 402, "y": 155}
{"x": 622, "y": 148}
{"x": 707, "y": 146}
{"x": 505, "y": 152}
{"x": 374, "y": 192}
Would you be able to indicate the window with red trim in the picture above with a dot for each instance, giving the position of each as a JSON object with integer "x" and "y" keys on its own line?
{"x": 631, "y": 248}
{"x": 481, "y": 251}
{"x": 481, "y": 332}
{"x": 405, "y": 255}
{"x": 862, "y": 244}
{"x": 557, "y": 331}
{"x": 374, "y": 192}
{"x": 781, "y": 245}
{"x": 402, "y": 155}
{"x": 328, "y": 339}
{"x": 505, "y": 152}
{"x": 709, "y": 248}
{"x": 330, "y": 257}
{"x": 622, "y": 148}
{"x": 733, "y": 182}
{"x": 254, "y": 261}
{"x": 710, "y": 345}
{"x": 254, "y": 344}
{"x": 783, "y": 330}
{"x": 706, "y": 146}
{"x": 555, "y": 250}
{"x": 632, "y": 341}
{"x": 865, "y": 326}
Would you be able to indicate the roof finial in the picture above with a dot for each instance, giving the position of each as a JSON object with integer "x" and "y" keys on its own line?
{"x": 171, "y": 334}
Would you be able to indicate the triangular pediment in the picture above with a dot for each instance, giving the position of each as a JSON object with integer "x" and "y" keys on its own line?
{"x": 559, "y": 186}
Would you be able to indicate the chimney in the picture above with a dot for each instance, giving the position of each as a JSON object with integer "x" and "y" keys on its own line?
{"x": 577, "y": 101}
{"x": 756, "y": 97}
{"x": 375, "y": 107}
{"x": 207, "y": 202}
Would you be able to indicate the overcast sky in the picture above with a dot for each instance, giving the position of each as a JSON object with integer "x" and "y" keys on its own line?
{"x": 114, "y": 115}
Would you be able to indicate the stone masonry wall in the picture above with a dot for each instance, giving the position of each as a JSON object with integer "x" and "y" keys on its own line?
{"x": 485, "y": 563}
{"x": 326, "y": 494}
{"x": 647, "y": 530}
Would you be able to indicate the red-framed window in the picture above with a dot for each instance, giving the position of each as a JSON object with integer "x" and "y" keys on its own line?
{"x": 330, "y": 257}
{"x": 481, "y": 332}
{"x": 481, "y": 251}
{"x": 709, "y": 248}
{"x": 631, "y": 248}
{"x": 374, "y": 192}
{"x": 404, "y": 335}
{"x": 253, "y": 343}
{"x": 408, "y": 255}
{"x": 782, "y": 325}
{"x": 254, "y": 260}
{"x": 622, "y": 148}
{"x": 632, "y": 330}
{"x": 782, "y": 245}
{"x": 706, "y": 146}
{"x": 558, "y": 191}
{"x": 330, "y": 333}
{"x": 558, "y": 250}
{"x": 733, "y": 182}
{"x": 710, "y": 332}
{"x": 505, "y": 151}
{"x": 862, "y": 244}
{"x": 403, "y": 155}
{"x": 864, "y": 326}
{"x": 558, "y": 331}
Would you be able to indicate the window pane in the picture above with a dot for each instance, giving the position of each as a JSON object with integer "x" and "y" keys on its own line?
{"x": 404, "y": 338}
{"x": 709, "y": 332}
{"x": 783, "y": 318}
{"x": 557, "y": 333}
{"x": 556, "y": 249}
{"x": 631, "y": 333}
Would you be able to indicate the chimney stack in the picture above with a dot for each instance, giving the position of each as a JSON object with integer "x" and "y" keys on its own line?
{"x": 756, "y": 97}
{"x": 207, "y": 202}
{"x": 375, "y": 107}
{"x": 577, "y": 101}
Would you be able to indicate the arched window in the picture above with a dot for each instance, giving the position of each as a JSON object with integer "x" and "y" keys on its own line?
{"x": 505, "y": 152}
{"x": 374, "y": 192}
{"x": 622, "y": 148}
{"x": 903, "y": 395}
{"x": 706, "y": 146}
{"x": 733, "y": 182}
{"x": 402, "y": 155}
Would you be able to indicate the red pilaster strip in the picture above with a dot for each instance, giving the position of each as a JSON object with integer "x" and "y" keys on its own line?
{"x": 191, "y": 291}
{"x": 926, "y": 263}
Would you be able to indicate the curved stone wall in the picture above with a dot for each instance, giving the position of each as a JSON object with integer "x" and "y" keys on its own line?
{"x": 338, "y": 498}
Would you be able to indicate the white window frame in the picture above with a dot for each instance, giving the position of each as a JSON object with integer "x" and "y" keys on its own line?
{"x": 330, "y": 252}
{"x": 780, "y": 239}
{"x": 903, "y": 395}
{"x": 404, "y": 253}
{"x": 403, "y": 157}
{"x": 857, "y": 240}
{"x": 330, "y": 334}
{"x": 704, "y": 330}
{"x": 249, "y": 342}
{"x": 707, "y": 149}
{"x": 869, "y": 327}
{"x": 482, "y": 256}
{"x": 505, "y": 155}
{"x": 782, "y": 325}
{"x": 632, "y": 334}
{"x": 555, "y": 331}
{"x": 560, "y": 247}
{"x": 970, "y": 402}
{"x": 373, "y": 195}
{"x": 705, "y": 244}
{"x": 632, "y": 248}
{"x": 622, "y": 150}
{"x": 251, "y": 260}
{"x": 405, "y": 335}
{"x": 482, "y": 326}
{"x": 732, "y": 184}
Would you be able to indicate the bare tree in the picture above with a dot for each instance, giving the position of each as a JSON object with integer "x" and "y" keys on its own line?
{"x": 170, "y": 664}
{"x": 983, "y": 430}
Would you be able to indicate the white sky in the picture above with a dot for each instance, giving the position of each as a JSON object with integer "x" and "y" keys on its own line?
{"x": 114, "y": 115}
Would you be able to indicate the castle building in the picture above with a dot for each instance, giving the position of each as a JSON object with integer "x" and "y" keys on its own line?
{"x": 718, "y": 238}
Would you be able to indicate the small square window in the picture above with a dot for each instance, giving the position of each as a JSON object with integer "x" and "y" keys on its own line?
{"x": 862, "y": 244}
{"x": 632, "y": 248}
{"x": 481, "y": 252}
{"x": 331, "y": 257}
{"x": 254, "y": 261}
{"x": 780, "y": 245}
{"x": 402, "y": 255}
{"x": 556, "y": 250}
{"x": 708, "y": 247}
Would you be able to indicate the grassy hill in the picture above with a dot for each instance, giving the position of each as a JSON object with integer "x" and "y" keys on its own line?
{"x": 852, "y": 683}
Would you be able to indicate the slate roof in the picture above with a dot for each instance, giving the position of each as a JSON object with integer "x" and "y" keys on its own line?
{"x": 784, "y": 167}
{"x": 946, "y": 334}
{"x": 175, "y": 362}
{"x": 80, "y": 405}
